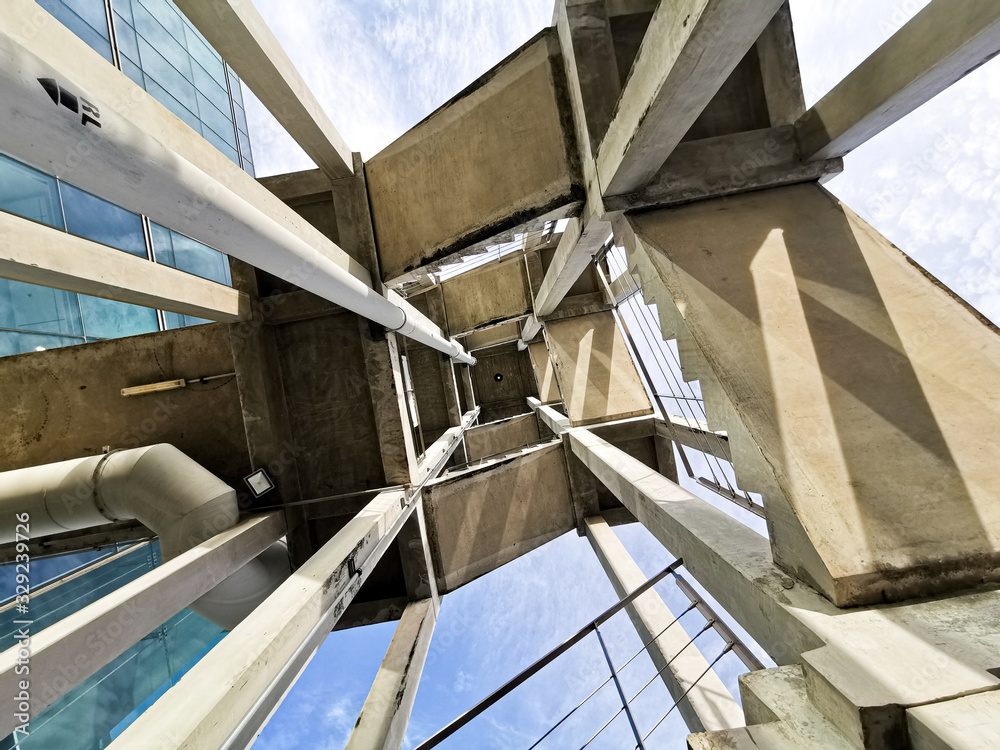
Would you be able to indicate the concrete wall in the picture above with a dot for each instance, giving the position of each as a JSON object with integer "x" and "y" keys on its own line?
{"x": 498, "y": 437}
{"x": 66, "y": 403}
{"x": 508, "y": 396}
{"x": 502, "y": 152}
{"x": 481, "y": 297}
{"x": 484, "y": 518}
{"x": 594, "y": 369}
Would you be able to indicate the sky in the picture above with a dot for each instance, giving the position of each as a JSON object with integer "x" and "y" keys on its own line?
{"x": 928, "y": 183}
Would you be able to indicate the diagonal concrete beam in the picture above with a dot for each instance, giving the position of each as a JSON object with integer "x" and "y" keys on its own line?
{"x": 239, "y": 33}
{"x": 38, "y": 254}
{"x": 579, "y": 244}
{"x": 381, "y": 725}
{"x": 937, "y": 47}
{"x": 702, "y": 699}
{"x": 690, "y": 48}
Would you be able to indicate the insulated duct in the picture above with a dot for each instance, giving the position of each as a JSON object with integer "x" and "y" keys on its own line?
{"x": 157, "y": 485}
{"x": 69, "y": 113}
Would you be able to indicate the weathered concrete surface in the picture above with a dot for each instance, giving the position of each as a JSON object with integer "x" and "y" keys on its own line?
{"x": 967, "y": 723}
{"x": 429, "y": 391}
{"x": 480, "y": 519}
{"x": 704, "y": 701}
{"x": 381, "y": 725}
{"x": 504, "y": 397}
{"x": 325, "y": 380}
{"x": 500, "y": 437}
{"x": 545, "y": 374}
{"x": 498, "y": 154}
{"x": 864, "y": 383}
{"x": 66, "y": 403}
{"x": 596, "y": 375}
{"x": 481, "y": 297}
{"x": 687, "y": 54}
{"x": 493, "y": 336}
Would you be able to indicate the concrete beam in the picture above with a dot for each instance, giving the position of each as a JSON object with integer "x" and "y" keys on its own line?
{"x": 552, "y": 419}
{"x": 437, "y": 454}
{"x": 238, "y": 32}
{"x": 936, "y": 48}
{"x": 415, "y": 554}
{"x": 704, "y": 701}
{"x": 576, "y": 251}
{"x": 64, "y": 654}
{"x": 695, "y": 434}
{"x": 382, "y": 722}
{"x": 689, "y": 50}
{"x": 265, "y": 653}
{"x": 38, "y": 254}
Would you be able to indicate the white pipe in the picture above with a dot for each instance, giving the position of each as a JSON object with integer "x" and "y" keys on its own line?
{"x": 128, "y": 160}
{"x": 169, "y": 493}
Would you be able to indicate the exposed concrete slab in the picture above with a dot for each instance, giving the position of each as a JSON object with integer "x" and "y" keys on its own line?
{"x": 238, "y": 32}
{"x": 779, "y": 70}
{"x": 687, "y": 53}
{"x": 381, "y": 725}
{"x": 480, "y": 519}
{"x": 500, "y": 153}
{"x": 704, "y": 701}
{"x": 930, "y": 52}
{"x": 481, "y": 298}
{"x": 38, "y": 254}
{"x": 597, "y": 377}
{"x": 493, "y": 336}
{"x": 501, "y": 437}
{"x": 804, "y": 310}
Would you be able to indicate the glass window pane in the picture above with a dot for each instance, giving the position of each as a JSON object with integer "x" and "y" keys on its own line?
{"x": 241, "y": 119}
{"x": 221, "y": 124}
{"x": 128, "y": 45}
{"x": 221, "y": 144}
{"x": 133, "y": 71}
{"x": 108, "y": 319}
{"x": 156, "y": 66}
{"x": 176, "y": 320}
{"x": 86, "y": 19}
{"x": 205, "y": 56}
{"x": 100, "y": 221}
{"x": 27, "y": 192}
{"x": 29, "y": 307}
{"x": 164, "y": 12}
{"x": 193, "y": 257}
{"x": 21, "y": 343}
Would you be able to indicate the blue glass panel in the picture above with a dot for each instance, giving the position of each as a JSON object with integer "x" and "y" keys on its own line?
{"x": 108, "y": 319}
{"x": 100, "y": 221}
{"x": 241, "y": 118}
{"x": 86, "y": 19}
{"x": 128, "y": 45}
{"x": 176, "y": 320}
{"x": 164, "y": 12}
{"x": 221, "y": 124}
{"x": 212, "y": 89}
{"x": 245, "y": 148}
{"x": 27, "y": 192}
{"x": 183, "y": 253}
{"x": 205, "y": 56}
{"x": 155, "y": 66}
{"x": 133, "y": 71}
{"x": 21, "y": 343}
{"x": 27, "y": 307}
{"x": 221, "y": 144}
{"x": 172, "y": 104}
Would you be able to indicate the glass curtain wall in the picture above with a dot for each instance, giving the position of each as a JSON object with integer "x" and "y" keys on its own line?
{"x": 33, "y": 317}
{"x": 98, "y": 710}
{"x": 155, "y": 45}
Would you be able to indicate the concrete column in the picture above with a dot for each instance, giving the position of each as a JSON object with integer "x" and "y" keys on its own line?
{"x": 383, "y": 719}
{"x": 470, "y": 394}
{"x": 71, "y": 650}
{"x": 236, "y": 686}
{"x": 708, "y": 705}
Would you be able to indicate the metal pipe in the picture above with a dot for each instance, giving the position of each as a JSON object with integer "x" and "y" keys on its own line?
{"x": 157, "y": 485}
{"x": 104, "y": 134}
